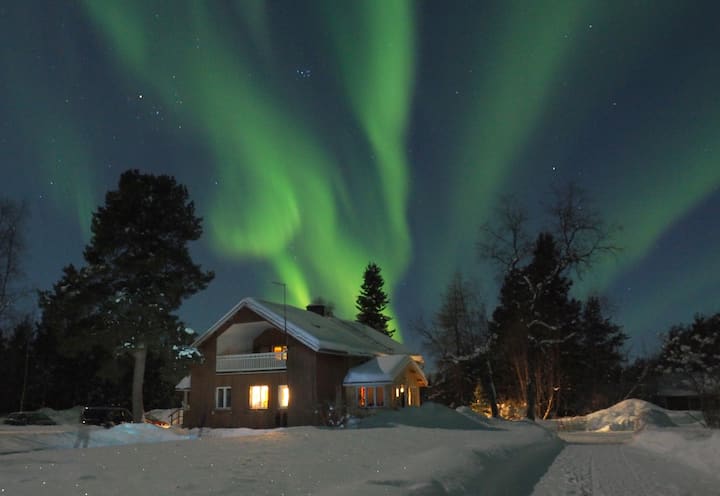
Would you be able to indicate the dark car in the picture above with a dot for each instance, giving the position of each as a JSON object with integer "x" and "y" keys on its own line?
{"x": 106, "y": 416}
{"x": 28, "y": 418}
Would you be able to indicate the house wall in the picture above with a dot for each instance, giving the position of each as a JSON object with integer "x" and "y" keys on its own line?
{"x": 331, "y": 370}
{"x": 202, "y": 377}
{"x": 315, "y": 380}
{"x": 300, "y": 376}
{"x": 240, "y": 413}
{"x": 271, "y": 337}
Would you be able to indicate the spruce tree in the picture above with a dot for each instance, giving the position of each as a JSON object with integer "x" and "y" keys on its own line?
{"x": 372, "y": 301}
{"x": 534, "y": 325}
{"x": 598, "y": 359}
{"x": 692, "y": 352}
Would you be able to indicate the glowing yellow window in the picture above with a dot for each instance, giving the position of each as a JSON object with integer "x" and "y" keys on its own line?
{"x": 259, "y": 397}
{"x": 283, "y": 396}
{"x": 280, "y": 352}
{"x": 362, "y": 396}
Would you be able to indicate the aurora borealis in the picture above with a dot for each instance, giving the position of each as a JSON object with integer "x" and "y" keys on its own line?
{"x": 315, "y": 137}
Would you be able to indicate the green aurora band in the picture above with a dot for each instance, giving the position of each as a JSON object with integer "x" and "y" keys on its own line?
{"x": 313, "y": 212}
{"x": 280, "y": 195}
{"x": 57, "y": 144}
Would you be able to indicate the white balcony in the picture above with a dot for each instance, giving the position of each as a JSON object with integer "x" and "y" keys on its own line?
{"x": 252, "y": 362}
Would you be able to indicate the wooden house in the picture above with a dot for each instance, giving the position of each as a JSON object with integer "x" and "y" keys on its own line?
{"x": 267, "y": 364}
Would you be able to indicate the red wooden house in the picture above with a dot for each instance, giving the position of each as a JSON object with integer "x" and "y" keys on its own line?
{"x": 266, "y": 365}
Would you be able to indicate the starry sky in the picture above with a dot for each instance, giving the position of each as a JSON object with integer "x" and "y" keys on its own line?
{"x": 315, "y": 137}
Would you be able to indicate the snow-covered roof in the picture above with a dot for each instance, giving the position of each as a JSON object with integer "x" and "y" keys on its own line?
{"x": 184, "y": 384}
{"x": 383, "y": 370}
{"x": 321, "y": 334}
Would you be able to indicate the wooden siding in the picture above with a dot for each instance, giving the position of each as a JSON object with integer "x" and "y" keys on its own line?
{"x": 301, "y": 370}
{"x": 271, "y": 337}
{"x": 299, "y": 376}
{"x": 314, "y": 379}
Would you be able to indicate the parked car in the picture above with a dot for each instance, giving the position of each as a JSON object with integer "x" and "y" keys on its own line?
{"x": 106, "y": 416}
{"x": 28, "y": 418}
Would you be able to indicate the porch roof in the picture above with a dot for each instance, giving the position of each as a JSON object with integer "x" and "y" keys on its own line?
{"x": 385, "y": 370}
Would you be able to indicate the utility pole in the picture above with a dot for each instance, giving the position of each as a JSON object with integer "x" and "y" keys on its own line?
{"x": 284, "y": 286}
{"x": 283, "y": 416}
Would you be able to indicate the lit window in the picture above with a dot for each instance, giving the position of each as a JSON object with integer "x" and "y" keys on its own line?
{"x": 259, "y": 397}
{"x": 280, "y": 352}
{"x": 283, "y": 396}
{"x": 371, "y": 396}
{"x": 223, "y": 398}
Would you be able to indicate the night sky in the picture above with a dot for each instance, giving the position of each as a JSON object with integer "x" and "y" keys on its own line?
{"x": 315, "y": 137}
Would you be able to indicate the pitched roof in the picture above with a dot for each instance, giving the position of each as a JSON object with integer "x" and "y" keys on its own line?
{"x": 382, "y": 370}
{"x": 321, "y": 334}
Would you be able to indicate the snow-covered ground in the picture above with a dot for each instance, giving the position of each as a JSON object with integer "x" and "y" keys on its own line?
{"x": 426, "y": 451}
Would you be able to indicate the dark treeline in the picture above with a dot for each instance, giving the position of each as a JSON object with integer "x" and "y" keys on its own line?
{"x": 542, "y": 352}
{"x": 38, "y": 371}
{"x": 109, "y": 325}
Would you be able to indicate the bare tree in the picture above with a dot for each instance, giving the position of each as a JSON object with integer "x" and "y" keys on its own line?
{"x": 579, "y": 236}
{"x": 506, "y": 242}
{"x": 458, "y": 339}
{"x": 12, "y": 244}
{"x": 580, "y": 232}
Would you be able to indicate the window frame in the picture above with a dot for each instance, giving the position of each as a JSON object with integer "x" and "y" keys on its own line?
{"x": 226, "y": 403}
{"x": 368, "y": 397}
{"x": 281, "y": 388}
{"x": 263, "y": 403}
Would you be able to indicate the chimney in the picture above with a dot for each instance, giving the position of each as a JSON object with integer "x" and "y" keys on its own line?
{"x": 318, "y": 309}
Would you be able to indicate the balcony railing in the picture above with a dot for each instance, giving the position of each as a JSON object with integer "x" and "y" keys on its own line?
{"x": 251, "y": 362}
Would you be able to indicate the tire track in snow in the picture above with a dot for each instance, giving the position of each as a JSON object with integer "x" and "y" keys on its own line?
{"x": 619, "y": 470}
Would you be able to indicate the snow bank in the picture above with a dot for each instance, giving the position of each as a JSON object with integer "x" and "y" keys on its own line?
{"x": 628, "y": 415}
{"x": 698, "y": 448}
{"x": 431, "y": 450}
{"x": 429, "y": 415}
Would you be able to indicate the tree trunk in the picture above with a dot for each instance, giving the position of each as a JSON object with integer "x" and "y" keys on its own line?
{"x": 531, "y": 393}
{"x": 25, "y": 374}
{"x": 493, "y": 393}
{"x": 140, "y": 356}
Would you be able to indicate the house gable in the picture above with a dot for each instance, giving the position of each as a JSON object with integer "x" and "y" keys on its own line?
{"x": 259, "y": 349}
{"x": 320, "y": 334}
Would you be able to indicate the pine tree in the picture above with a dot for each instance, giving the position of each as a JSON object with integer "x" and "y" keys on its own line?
{"x": 78, "y": 361}
{"x": 138, "y": 272}
{"x": 372, "y": 301}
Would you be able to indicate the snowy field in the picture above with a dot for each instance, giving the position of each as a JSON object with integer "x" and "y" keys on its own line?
{"x": 426, "y": 451}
